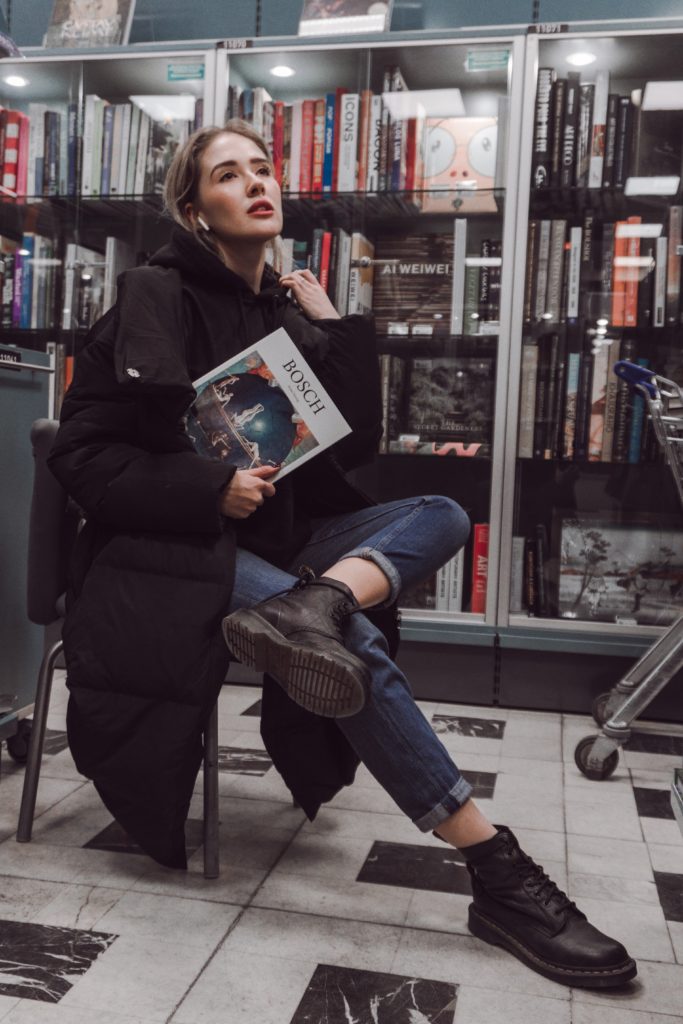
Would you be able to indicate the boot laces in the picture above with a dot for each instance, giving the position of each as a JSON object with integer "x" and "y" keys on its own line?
{"x": 539, "y": 884}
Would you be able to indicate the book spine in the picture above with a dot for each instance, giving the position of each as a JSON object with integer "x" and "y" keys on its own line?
{"x": 458, "y": 275}
{"x": 540, "y": 566}
{"x": 623, "y": 142}
{"x": 619, "y": 275}
{"x": 318, "y": 146}
{"x": 525, "y": 441}
{"x": 583, "y": 408}
{"x": 611, "y": 120}
{"x": 364, "y": 108}
{"x": 328, "y": 144}
{"x": 28, "y": 244}
{"x": 72, "y": 147}
{"x": 623, "y": 406}
{"x": 530, "y": 276}
{"x": 325, "y": 259}
{"x": 570, "y": 404}
{"x": 673, "y": 267}
{"x": 384, "y": 167}
{"x": 107, "y": 143}
{"x": 598, "y": 130}
{"x": 645, "y": 282}
{"x": 596, "y": 425}
{"x": 611, "y": 390}
{"x": 517, "y": 575}
{"x": 306, "y": 158}
{"x": 570, "y": 128}
{"x": 530, "y": 575}
{"x": 558, "y": 101}
{"x": 456, "y": 567}
{"x": 480, "y": 566}
{"x": 542, "y": 261}
{"x": 574, "y": 273}
{"x": 374, "y": 145}
{"x": 8, "y": 289}
{"x": 443, "y": 582}
{"x": 51, "y": 156}
{"x": 553, "y": 305}
{"x": 396, "y": 166}
{"x": 636, "y": 424}
{"x": 631, "y": 277}
{"x": 316, "y": 251}
{"x": 541, "y": 397}
{"x": 385, "y": 385}
{"x": 540, "y": 167}
{"x": 661, "y": 261}
{"x": 348, "y": 143}
{"x": 295, "y": 147}
{"x": 143, "y": 149}
{"x": 584, "y": 138}
{"x": 278, "y": 138}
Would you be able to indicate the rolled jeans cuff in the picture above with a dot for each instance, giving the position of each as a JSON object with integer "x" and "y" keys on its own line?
{"x": 451, "y": 803}
{"x": 387, "y": 567}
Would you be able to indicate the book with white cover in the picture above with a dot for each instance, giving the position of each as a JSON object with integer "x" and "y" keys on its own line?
{"x": 264, "y": 407}
{"x": 348, "y": 142}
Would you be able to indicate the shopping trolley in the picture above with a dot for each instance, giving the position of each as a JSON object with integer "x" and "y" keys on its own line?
{"x": 597, "y": 757}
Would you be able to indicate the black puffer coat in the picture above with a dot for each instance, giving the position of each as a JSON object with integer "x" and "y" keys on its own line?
{"x": 154, "y": 565}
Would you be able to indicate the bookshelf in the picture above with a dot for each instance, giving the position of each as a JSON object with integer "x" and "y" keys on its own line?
{"x": 593, "y": 530}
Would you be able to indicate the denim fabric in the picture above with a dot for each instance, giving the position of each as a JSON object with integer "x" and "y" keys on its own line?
{"x": 408, "y": 539}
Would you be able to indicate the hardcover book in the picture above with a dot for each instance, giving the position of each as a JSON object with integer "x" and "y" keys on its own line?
{"x": 81, "y": 23}
{"x": 264, "y": 407}
{"x": 460, "y": 164}
{"x": 413, "y": 284}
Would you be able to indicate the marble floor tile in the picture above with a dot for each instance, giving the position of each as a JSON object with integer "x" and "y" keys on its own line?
{"x": 438, "y": 912}
{"x": 587, "y": 1013}
{"x": 488, "y": 1006}
{"x": 607, "y": 813}
{"x": 666, "y": 857}
{"x": 21, "y": 899}
{"x": 633, "y": 892}
{"x": 372, "y": 997}
{"x": 50, "y": 793}
{"x": 468, "y": 726}
{"x": 656, "y": 990}
{"x": 619, "y": 780}
{"x": 198, "y": 923}
{"x": 662, "y": 832}
{"x": 670, "y": 889}
{"x": 342, "y": 824}
{"x": 653, "y": 803}
{"x": 316, "y": 939}
{"x": 69, "y": 864}
{"x": 626, "y": 859}
{"x": 6, "y": 1005}
{"x": 643, "y": 932}
{"x": 78, "y": 906}
{"x": 74, "y": 821}
{"x": 648, "y": 778}
{"x": 676, "y": 933}
{"x": 43, "y": 962}
{"x": 470, "y": 711}
{"x": 637, "y": 759}
{"x": 334, "y": 898}
{"x": 231, "y": 989}
{"x": 528, "y": 767}
{"x": 55, "y": 1013}
{"x": 115, "y": 839}
{"x": 434, "y": 869}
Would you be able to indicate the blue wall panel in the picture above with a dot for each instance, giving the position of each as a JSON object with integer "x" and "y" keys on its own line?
{"x": 591, "y": 10}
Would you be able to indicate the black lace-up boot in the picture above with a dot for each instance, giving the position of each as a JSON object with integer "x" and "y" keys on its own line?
{"x": 517, "y": 906}
{"x": 298, "y": 638}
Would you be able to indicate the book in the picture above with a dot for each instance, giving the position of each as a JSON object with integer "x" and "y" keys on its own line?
{"x": 540, "y": 166}
{"x": 118, "y": 256}
{"x": 459, "y": 165}
{"x": 584, "y": 135}
{"x": 557, "y": 114}
{"x": 458, "y": 276}
{"x": 450, "y": 399}
{"x": 82, "y": 23}
{"x": 570, "y": 130}
{"x": 598, "y": 130}
{"x": 347, "y": 163}
{"x": 517, "y": 574}
{"x": 413, "y": 283}
{"x": 480, "y": 567}
{"x": 610, "y": 140}
{"x": 361, "y": 275}
{"x": 264, "y": 407}
{"x": 527, "y": 399}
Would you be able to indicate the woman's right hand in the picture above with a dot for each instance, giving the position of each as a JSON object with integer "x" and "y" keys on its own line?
{"x": 247, "y": 491}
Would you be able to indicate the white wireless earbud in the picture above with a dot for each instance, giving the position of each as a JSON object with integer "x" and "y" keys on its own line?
{"x": 202, "y": 223}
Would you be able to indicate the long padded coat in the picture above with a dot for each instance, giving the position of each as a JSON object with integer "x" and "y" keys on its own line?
{"x": 153, "y": 569}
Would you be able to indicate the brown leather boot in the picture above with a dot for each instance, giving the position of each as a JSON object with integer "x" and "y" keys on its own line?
{"x": 518, "y": 907}
{"x": 298, "y": 639}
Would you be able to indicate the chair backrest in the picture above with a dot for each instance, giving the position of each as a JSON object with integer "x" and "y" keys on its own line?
{"x": 53, "y": 526}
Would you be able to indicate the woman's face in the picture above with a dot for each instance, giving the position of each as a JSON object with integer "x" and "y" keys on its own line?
{"x": 238, "y": 196}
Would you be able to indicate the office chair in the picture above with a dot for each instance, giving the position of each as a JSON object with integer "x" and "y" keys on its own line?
{"x": 53, "y": 527}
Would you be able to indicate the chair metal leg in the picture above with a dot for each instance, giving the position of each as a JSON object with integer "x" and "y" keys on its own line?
{"x": 211, "y": 861}
{"x": 35, "y": 748}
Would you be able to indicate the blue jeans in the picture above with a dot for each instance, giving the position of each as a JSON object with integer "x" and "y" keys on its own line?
{"x": 409, "y": 540}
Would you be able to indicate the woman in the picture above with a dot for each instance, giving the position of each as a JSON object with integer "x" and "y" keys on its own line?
{"x": 175, "y": 541}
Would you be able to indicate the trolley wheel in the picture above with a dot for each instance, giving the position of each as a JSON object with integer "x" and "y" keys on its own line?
{"x": 607, "y": 768}
{"x": 599, "y": 708}
{"x": 17, "y": 745}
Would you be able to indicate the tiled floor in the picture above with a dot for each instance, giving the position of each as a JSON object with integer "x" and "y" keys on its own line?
{"x": 356, "y": 917}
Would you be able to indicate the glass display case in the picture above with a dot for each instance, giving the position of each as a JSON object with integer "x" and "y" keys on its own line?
{"x": 397, "y": 168}
{"x": 593, "y": 533}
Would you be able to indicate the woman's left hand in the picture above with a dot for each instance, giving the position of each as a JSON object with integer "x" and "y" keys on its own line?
{"x": 310, "y": 295}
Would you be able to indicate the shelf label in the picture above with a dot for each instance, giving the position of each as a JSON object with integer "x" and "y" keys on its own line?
{"x": 9, "y": 357}
{"x": 547, "y": 28}
{"x": 185, "y": 72}
{"x": 236, "y": 44}
{"x": 487, "y": 60}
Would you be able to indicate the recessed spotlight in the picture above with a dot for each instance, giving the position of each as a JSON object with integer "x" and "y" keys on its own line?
{"x": 16, "y": 80}
{"x": 282, "y": 71}
{"x": 581, "y": 59}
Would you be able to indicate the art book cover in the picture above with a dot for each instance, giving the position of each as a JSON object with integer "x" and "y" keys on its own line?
{"x": 264, "y": 407}
{"x": 413, "y": 284}
{"x": 460, "y": 164}
{"x": 449, "y": 407}
{"x": 80, "y": 23}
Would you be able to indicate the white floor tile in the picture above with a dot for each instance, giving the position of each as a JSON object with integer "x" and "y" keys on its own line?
{"x": 29, "y": 1011}
{"x": 641, "y": 929}
{"x": 633, "y": 892}
{"x": 6, "y": 1005}
{"x": 592, "y": 854}
{"x": 656, "y": 990}
{"x": 664, "y": 832}
{"x": 666, "y": 858}
{"x": 588, "y": 1013}
{"x": 488, "y": 1006}
{"x": 329, "y": 897}
{"x": 676, "y": 933}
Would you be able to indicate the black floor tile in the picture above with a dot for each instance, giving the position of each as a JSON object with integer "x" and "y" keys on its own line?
{"x": 482, "y": 783}
{"x": 242, "y": 761}
{"x": 42, "y": 961}
{"x": 670, "y": 890}
{"x": 254, "y": 710}
{"x": 348, "y": 996}
{"x": 653, "y": 803}
{"x": 416, "y": 867}
{"x": 114, "y": 839}
{"x": 653, "y": 743}
{"x": 485, "y": 728}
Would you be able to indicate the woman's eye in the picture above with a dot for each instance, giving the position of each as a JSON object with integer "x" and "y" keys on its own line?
{"x": 226, "y": 176}
{"x": 265, "y": 170}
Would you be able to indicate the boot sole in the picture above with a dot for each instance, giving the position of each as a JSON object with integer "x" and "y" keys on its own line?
{"x": 607, "y": 977}
{"x": 334, "y": 687}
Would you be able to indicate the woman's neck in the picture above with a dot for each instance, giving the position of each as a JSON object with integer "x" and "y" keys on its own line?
{"x": 248, "y": 263}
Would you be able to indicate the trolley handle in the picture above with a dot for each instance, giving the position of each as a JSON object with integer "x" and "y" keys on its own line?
{"x": 636, "y": 375}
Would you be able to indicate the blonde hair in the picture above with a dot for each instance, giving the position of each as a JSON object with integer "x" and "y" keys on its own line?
{"x": 182, "y": 180}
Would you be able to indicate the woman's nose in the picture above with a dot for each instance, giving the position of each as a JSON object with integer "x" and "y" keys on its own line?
{"x": 255, "y": 184}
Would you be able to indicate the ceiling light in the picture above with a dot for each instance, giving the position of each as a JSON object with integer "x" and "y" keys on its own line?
{"x": 581, "y": 58}
{"x": 16, "y": 80}
{"x": 282, "y": 71}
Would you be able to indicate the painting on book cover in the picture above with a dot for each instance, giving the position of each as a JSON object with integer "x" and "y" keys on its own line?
{"x": 450, "y": 401}
{"x": 245, "y": 418}
{"x": 615, "y": 571}
{"x": 165, "y": 137}
{"x": 81, "y": 23}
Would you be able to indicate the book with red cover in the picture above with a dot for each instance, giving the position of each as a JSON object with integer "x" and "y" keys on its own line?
{"x": 318, "y": 146}
{"x": 306, "y": 164}
{"x": 278, "y": 138}
{"x": 325, "y": 250}
{"x": 480, "y": 566}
